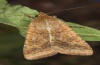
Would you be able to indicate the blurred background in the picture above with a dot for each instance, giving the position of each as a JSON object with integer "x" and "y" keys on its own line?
{"x": 11, "y": 42}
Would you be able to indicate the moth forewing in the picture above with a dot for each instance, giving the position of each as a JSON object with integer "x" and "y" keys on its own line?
{"x": 68, "y": 42}
{"x": 37, "y": 43}
{"x": 47, "y": 36}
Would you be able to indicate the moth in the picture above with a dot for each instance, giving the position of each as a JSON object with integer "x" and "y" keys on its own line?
{"x": 48, "y": 35}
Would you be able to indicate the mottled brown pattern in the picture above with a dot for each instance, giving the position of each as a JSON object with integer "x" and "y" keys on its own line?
{"x": 64, "y": 40}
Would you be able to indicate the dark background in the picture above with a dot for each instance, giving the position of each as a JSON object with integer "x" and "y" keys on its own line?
{"x": 11, "y": 42}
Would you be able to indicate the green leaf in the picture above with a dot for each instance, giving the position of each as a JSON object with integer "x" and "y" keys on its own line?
{"x": 20, "y": 17}
{"x": 17, "y": 16}
{"x": 87, "y": 33}
{"x": 2, "y": 3}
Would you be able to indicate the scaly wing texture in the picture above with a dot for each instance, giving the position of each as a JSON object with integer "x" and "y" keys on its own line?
{"x": 47, "y": 36}
{"x": 68, "y": 42}
{"x": 37, "y": 43}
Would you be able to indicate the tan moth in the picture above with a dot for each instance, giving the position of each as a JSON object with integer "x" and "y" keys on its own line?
{"x": 47, "y": 36}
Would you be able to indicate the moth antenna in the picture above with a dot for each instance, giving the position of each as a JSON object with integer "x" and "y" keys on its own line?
{"x": 67, "y": 9}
